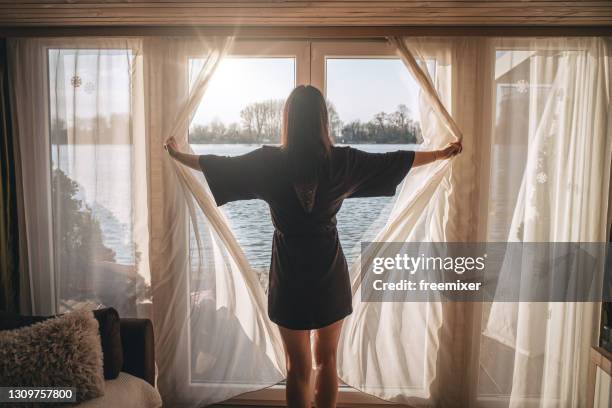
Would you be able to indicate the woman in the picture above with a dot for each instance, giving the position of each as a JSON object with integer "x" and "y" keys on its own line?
{"x": 304, "y": 182}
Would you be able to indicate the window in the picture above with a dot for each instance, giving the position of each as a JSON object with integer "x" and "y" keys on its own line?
{"x": 93, "y": 204}
{"x": 519, "y": 101}
{"x": 93, "y": 148}
{"x": 373, "y": 104}
{"x": 514, "y": 102}
{"x": 370, "y": 111}
{"x": 241, "y": 110}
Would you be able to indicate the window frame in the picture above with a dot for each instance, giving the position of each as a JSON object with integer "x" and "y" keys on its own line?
{"x": 246, "y": 48}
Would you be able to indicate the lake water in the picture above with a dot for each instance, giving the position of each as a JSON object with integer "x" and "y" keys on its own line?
{"x": 106, "y": 189}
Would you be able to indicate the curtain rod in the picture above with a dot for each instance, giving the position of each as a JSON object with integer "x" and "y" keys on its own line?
{"x": 296, "y": 32}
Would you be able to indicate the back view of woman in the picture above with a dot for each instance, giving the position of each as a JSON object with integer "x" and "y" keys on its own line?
{"x": 304, "y": 182}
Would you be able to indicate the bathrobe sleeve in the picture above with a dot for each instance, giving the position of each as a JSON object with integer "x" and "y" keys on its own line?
{"x": 233, "y": 178}
{"x": 376, "y": 174}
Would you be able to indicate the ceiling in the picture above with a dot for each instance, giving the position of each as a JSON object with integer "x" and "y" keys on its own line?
{"x": 28, "y": 13}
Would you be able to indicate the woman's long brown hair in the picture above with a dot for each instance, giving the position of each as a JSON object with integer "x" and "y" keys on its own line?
{"x": 305, "y": 138}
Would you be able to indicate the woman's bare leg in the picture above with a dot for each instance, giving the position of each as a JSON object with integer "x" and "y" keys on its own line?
{"x": 298, "y": 360}
{"x": 326, "y": 377}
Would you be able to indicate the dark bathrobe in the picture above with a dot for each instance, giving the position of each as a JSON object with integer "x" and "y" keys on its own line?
{"x": 309, "y": 278}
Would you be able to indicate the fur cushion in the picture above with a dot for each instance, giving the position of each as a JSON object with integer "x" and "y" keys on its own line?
{"x": 109, "y": 328}
{"x": 59, "y": 352}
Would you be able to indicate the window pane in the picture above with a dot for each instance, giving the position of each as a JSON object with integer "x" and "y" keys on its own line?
{"x": 376, "y": 101}
{"x": 240, "y": 111}
{"x": 518, "y": 107}
{"x": 374, "y": 107}
{"x": 519, "y": 104}
{"x": 91, "y": 153}
{"x": 243, "y": 102}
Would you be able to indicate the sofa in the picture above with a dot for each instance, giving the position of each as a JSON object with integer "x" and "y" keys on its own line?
{"x": 129, "y": 358}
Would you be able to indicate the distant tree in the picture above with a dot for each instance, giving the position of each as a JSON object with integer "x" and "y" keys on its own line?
{"x": 199, "y": 134}
{"x": 354, "y": 132}
{"x": 217, "y": 128}
{"x": 401, "y": 117}
{"x": 395, "y": 127}
{"x": 273, "y": 109}
{"x": 380, "y": 120}
{"x": 233, "y": 133}
{"x": 253, "y": 119}
{"x": 261, "y": 123}
{"x": 335, "y": 124}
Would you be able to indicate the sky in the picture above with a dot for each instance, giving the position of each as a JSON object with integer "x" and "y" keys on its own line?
{"x": 361, "y": 88}
{"x": 241, "y": 81}
{"x": 358, "y": 88}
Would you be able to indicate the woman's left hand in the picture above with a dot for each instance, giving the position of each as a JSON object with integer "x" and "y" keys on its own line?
{"x": 171, "y": 146}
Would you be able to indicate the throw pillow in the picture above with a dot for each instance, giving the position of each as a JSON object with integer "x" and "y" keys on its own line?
{"x": 110, "y": 335}
{"x": 59, "y": 352}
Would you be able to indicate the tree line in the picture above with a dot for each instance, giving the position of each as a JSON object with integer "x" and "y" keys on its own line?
{"x": 261, "y": 123}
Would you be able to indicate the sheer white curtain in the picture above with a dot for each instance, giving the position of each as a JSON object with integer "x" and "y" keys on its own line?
{"x": 101, "y": 109}
{"x": 245, "y": 347}
{"x": 554, "y": 119}
{"x": 79, "y": 117}
{"x": 213, "y": 336}
{"x": 410, "y": 352}
{"x": 109, "y": 213}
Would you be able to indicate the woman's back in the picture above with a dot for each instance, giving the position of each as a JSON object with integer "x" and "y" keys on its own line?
{"x": 265, "y": 174}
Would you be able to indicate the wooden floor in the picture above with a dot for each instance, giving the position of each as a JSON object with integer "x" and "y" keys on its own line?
{"x": 339, "y": 405}
{"x": 277, "y": 406}
{"x": 246, "y": 406}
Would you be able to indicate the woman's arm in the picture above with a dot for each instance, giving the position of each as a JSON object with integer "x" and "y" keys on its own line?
{"x": 421, "y": 158}
{"x": 189, "y": 160}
